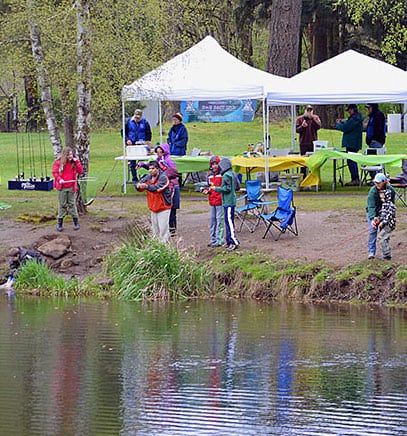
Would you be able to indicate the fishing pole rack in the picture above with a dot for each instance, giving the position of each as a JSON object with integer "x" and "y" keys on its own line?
{"x": 32, "y": 168}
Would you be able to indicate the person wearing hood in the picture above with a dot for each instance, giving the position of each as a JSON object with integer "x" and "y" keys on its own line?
{"x": 352, "y": 139}
{"x": 228, "y": 191}
{"x": 169, "y": 167}
{"x": 157, "y": 185}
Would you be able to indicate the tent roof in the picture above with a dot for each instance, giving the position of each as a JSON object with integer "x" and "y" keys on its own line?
{"x": 349, "y": 77}
{"x": 204, "y": 72}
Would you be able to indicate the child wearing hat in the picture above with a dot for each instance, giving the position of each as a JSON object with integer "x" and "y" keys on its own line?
{"x": 215, "y": 203}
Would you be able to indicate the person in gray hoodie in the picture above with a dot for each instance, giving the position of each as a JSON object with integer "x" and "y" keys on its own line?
{"x": 228, "y": 191}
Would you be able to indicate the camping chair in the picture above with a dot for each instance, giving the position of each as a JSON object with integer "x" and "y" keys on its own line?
{"x": 399, "y": 183}
{"x": 369, "y": 171}
{"x": 249, "y": 213}
{"x": 284, "y": 217}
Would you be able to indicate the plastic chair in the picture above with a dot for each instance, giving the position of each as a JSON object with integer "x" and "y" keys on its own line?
{"x": 399, "y": 183}
{"x": 369, "y": 171}
{"x": 284, "y": 217}
{"x": 249, "y": 214}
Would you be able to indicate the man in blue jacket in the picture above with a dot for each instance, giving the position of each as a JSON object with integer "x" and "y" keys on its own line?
{"x": 352, "y": 139}
{"x": 137, "y": 130}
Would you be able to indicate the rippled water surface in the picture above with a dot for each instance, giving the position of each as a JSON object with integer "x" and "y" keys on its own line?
{"x": 210, "y": 368}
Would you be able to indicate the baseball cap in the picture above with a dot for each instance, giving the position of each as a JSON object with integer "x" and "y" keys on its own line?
{"x": 309, "y": 106}
{"x": 379, "y": 178}
{"x": 138, "y": 112}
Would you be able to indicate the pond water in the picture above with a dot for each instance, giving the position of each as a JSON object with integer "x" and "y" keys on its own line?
{"x": 203, "y": 367}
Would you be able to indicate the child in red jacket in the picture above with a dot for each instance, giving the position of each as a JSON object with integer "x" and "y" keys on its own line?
{"x": 65, "y": 171}
{"x": 215, "y": 203}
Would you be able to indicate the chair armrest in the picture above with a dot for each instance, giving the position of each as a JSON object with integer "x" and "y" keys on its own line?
{"x": 243, "y": 197}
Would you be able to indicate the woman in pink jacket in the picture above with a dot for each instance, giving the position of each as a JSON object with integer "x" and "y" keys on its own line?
{"x": 65, "y": 171}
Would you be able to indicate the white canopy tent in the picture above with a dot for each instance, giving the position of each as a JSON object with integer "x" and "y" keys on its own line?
{"x": 349, "y": 77}
{"x": 204, "y": 72}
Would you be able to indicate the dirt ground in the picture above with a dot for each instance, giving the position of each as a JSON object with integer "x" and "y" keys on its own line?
{"x": 333, "y": 236}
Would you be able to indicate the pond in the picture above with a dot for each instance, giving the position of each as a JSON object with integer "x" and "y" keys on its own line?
{"x": 201, "y": 367}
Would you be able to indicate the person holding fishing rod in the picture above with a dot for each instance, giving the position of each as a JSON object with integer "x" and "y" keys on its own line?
{"x": 65, "y": 170}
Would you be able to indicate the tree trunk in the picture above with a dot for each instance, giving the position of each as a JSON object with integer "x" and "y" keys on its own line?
{"x": 67, "y": 117}
{"x": 45, "y": 87}
{"x": 284, "y": 42}
{"x": 82, "y": 134}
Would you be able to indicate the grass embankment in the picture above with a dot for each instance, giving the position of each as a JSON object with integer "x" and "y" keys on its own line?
{"x": 144, "y": 269}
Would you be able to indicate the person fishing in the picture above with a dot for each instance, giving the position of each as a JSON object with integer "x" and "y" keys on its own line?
{"x": 65, "y": 171}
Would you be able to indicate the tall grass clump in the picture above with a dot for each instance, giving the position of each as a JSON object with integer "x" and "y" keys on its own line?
{"x": 152, "y": 270}
{"x": 34, "y": 276}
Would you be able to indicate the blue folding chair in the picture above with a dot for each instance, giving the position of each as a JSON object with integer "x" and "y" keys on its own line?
{"x": 284, "y": 217}
{"x": 249, "y": 213}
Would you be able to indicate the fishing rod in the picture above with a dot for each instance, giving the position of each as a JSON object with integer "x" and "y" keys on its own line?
{"x": 108, "y": 178}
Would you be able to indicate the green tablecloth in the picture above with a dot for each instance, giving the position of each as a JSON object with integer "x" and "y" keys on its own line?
{"x": 316, "y": 160}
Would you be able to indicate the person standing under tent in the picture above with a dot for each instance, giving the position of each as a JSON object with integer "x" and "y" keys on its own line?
{"x": 157, "y": 185}
{"x": 373, "y": 209}
{"x": 352, "y": 129}
{"x": 65, "y": 170}
{"x": 137, "y": 129}
{"x": 376, "y": 126}
{"x": 178, "y": 136}
{"x": 307, "y": 126}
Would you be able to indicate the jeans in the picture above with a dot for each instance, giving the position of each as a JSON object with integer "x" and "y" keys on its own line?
{"x": 216, "y": 224}
{"x": 372, "y": 237}
{"x": 353, "y": 169}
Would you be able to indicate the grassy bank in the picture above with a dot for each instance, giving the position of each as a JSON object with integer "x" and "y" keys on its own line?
{"x": 148, "y": 270}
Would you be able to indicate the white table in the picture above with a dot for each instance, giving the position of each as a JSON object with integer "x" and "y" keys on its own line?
{"x": 125, "y": 159}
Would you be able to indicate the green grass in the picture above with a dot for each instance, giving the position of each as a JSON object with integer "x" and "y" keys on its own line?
{"x": 145, "y": 269}
{"x": 219, "y": 138}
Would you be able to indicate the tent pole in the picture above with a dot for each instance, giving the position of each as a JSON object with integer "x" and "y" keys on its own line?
{"x": 266, "y": 145}
{"x": 293, "y": 131}
{"x": 124, "y": 150}
{"x": 161, "y": 122}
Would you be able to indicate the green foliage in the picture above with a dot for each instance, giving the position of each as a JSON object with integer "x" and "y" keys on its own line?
{"x": 150, "y": 270}
{"x": 37, "y": 276}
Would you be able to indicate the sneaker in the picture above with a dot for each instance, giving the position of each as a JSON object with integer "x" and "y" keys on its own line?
{"x": 370, "y": 256}
{"x": 386, "y": 257}
{"x": 232, "y": 247}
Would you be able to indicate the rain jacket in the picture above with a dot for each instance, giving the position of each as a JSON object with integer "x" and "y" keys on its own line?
{"x": 227, "y": 189}
{"x": 69, "y": 172}
{"x": 352, "y": 132}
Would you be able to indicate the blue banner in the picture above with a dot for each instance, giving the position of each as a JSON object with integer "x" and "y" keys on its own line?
{"x": 218, "y": 111}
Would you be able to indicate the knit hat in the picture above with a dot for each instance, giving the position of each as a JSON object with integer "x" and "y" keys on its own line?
{"x": 214, "y": 159}
{"x": 379, "y": 178}
{"x": 178, "y": 116}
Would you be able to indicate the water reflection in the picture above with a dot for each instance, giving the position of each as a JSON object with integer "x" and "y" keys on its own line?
{"x": 87, "y": 367}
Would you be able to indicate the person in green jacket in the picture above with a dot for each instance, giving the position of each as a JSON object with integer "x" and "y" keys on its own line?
{"x": 228, "y": 190}
{"x": 352, "y": 139}
{"x": 373, "y": 208}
